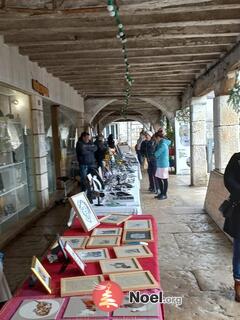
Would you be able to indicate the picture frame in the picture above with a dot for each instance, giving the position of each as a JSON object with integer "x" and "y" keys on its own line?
{"x": 137, "y": 235}
{"x": 41, "y": 273}
{"x": 47, "y": 308}
{"x": 75, "y": 257}
{"x": 145, "y": 224}
{"x": 93, "y": 255}
{"x": 77, "y": 286}
{"x": 139, "y": 280}
{"x": 107, "y": 241}
{"x": 99, "y": 232}
{"x": 76, "y": 242}
{"x": 120, "y": 265}
{"x": 115, "y": 219}
{"x": 137, "y": 251}
{"x": 84, "y": 211}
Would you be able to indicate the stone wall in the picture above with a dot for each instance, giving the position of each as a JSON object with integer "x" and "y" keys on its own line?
{"x": 216, "y": 193}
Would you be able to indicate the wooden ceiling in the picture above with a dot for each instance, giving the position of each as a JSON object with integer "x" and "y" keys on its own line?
{"x": 170, "y": 42}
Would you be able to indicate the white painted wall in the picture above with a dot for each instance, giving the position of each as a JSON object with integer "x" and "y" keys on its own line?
{"x": 18, "y": 71}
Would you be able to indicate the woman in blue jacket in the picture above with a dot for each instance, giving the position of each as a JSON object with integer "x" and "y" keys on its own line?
{"x": 162, "y": 158}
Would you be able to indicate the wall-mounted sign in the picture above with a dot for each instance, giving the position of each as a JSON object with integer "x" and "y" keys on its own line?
{"x": 40, "y": 88}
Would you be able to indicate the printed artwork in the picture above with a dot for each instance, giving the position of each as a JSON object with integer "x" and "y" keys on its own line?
{"x": 108, "y": 241}
{"x": 107, "y": 232}
{"x": 74, "y": 256}
{"x": 119, "y": 265}
{"x": 138, "y": 224}
{"x": 84, "y": 211}
{"x": 46, "y": 309}
{"x": 41, "y": 273}
{"x": 140, "y": 235}
{"x": 76, "y": 242}
{"x": 140, "y": 251}
{"x": 115, "y": 219}
{"x": 127, "y": 309}
{"x": 83, "y": 307}
{"x": 93, "y": 254}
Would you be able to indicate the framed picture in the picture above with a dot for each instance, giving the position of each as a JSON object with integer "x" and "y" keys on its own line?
{"x": 77, "y": 286}
{"x": 38, "y": 309}
{"x": 138, "y": 225}
{"x": 119, "y": 265}
{"x": 93, "y": 255}
{"x": 132, "y": 310}
{"x": 139, "y": 280}
{"x": 41, "y": 273}
{"x": 84, "y": 211}
{"x": 139, "y": 251}
{"x": 108, "y": 241}
{"x": 115, "y": 219}
{"x": 76, "y": 242}
{"x": 107, "y": 232}
{"x": 138, "y": 235}
{"x": 84, "y": 308}
{"x": 75, "y": 257}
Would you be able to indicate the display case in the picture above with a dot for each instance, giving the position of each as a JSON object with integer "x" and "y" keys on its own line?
{"x": 14, "y": 195}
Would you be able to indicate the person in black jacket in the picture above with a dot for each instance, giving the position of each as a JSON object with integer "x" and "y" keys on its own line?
{"x": 102, "y": 148}
{"x": 232, "y": 222}
{"x": 147, "y": 150}
{"x": 85, "y": 154}
{"x": 111, "y": 142}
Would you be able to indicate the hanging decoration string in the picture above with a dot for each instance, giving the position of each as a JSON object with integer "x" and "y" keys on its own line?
{"x": 121, "y": 35}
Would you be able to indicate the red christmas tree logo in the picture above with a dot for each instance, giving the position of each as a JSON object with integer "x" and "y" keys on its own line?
{"x": 107, "y": 296}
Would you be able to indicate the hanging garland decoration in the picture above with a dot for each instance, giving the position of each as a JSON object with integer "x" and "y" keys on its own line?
{"x": 234, "y": 94}
{"x": 121, "y": 35}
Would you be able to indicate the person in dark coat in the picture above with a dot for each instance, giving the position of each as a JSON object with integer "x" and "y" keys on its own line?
{"x": 86, "y": 158}
{"x": 111, "y": 142}
{"x": 102, "y": 148}
{"x": 148, "y": 147}
{"x": 232, "y": 223}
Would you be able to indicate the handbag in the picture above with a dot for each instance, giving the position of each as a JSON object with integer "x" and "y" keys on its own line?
{"x": 227, "y": 207}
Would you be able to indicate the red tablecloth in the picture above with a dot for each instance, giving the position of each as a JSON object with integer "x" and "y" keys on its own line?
{"x": 150, "y": 264}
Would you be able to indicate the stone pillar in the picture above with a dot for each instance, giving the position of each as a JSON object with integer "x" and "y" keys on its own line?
{"x": 226, "y": 132}
{"x": 39, "y": 152}
{"x": 81, "y": 123}
{"x": 198, "y": 141}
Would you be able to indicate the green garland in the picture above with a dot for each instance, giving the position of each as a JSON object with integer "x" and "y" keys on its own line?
{"x": 121, "y": 35}
{"x": 234, "y": 94}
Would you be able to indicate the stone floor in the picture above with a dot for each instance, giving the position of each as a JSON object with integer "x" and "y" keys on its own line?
{"x": 194, "y": 255}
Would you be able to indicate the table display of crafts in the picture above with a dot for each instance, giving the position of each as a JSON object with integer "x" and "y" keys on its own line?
{"x": 116, "y": 179}
{"x": 128, "y": 243}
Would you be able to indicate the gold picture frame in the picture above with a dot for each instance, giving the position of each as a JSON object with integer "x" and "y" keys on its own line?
{"x": 137, "y": 236}
{"x": 115, "y": 219}
{"x": 101, "y": 242}
{"x": 93, "y": 255}
{"x": 84, "y": 211}
{"x": 77, "y": 286}
{"x": 76, "y": 242}
{"x": 138, "y": 224}
{"x": 137, "y": 251}
{"x": 100, "y": 232}
{"x": 120, "y": 265}
{"x": 41, "y": 273}
{"x": 139, "y": 280}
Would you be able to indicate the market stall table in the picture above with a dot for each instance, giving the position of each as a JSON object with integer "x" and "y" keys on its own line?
{"x": 92, "y": 268}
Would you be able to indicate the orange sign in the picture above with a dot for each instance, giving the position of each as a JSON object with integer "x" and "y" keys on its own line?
{"x": 40, "y": 88}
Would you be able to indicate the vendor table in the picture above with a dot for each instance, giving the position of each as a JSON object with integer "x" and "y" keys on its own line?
{"x": 93, "y": 268}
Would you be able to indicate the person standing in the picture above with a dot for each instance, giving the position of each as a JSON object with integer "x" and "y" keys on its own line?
{"x": 162, "y": 160}
{"x": 101, "y": 150}
{"x": 147, "y": 150}
{"x": 85, "y": 150}
{"x": 232, "y": 221}
{"x": 111, "y": 142}
{"x": 138, "y": 147}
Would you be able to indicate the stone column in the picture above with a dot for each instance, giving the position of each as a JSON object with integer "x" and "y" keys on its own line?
{"x": 81, "y": 123}
{"x": 226, "y": 132}
{"x": 39, "y": 152}
{"x": 198, "y": 141}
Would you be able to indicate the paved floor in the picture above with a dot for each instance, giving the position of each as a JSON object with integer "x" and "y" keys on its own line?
{"x": 194, "y": 255}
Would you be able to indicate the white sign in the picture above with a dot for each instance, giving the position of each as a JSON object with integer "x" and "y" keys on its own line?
{"x": 182, "y": 140}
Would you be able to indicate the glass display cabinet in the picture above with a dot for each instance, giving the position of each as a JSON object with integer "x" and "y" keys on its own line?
{"x": 14, "y": 195}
